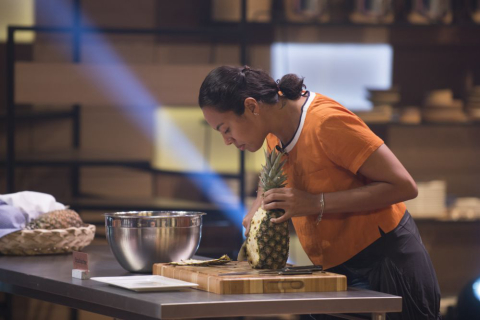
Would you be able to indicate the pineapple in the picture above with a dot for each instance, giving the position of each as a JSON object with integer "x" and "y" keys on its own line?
{"x": 267, "y": 243}
{"x": 58, "y": 219}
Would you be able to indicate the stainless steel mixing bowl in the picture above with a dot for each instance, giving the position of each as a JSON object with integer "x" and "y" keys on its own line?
{"x": 139, "y": 239}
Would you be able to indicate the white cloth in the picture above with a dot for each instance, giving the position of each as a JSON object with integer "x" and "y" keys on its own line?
{"x": 32, "y": 204}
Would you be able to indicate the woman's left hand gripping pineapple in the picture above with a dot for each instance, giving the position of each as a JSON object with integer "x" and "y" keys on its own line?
{"x": 294, "y": 202}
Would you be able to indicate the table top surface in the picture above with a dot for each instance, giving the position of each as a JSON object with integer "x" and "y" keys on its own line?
{"x": 50, "y": 277}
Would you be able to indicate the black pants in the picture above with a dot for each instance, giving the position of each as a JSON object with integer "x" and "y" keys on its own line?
{"x": 398, "y": 264}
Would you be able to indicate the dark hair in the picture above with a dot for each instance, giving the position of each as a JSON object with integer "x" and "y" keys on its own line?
{"x": 226, "y": 88}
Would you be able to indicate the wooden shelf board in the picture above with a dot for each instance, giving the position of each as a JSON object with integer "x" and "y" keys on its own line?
{"x": 147, "y": 204}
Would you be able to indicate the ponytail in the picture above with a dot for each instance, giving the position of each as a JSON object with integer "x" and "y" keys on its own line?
{"x": 291, "y": 86}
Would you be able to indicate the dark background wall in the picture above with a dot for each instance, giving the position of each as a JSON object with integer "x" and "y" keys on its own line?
{"x": 425, "y": 58}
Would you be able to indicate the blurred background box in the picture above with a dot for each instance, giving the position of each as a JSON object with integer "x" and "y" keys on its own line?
{"x": 441, "y": 107}
{"x": 373, "y": 12}
{"x": 431, "y": 200}
{"x": 472, "y": 104}
{"x": 431, "y": 12}
{"x": 378, "y": 114}
{"x": 383, "y": 97}
{"x": 410, "y": 115}
{"x": 307, "y": 10}
{"x": 230, "y": 10}
{"x": 439, "y": 98}
{"x": 473, "y": 7}
{"x": 465, "y": 208}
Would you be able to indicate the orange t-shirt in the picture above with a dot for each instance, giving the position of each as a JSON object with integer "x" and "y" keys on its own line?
{"x": 329, "y": 147}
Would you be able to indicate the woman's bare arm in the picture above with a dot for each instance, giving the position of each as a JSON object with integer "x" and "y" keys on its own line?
{"x": 391, "y": 183}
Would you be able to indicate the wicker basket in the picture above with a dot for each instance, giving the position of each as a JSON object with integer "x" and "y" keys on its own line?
{"x": 41, "y": 241}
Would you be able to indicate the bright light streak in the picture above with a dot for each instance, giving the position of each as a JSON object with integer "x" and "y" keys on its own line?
{"x": 127, "y": 90}
{"x": 476, "y": 289}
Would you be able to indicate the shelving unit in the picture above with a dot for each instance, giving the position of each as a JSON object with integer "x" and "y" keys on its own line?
{"x": 37, "y": 116}
{"x": 237, "y": 32}
{"x": 76, "y": 158}
{"x": 382, "y": 129}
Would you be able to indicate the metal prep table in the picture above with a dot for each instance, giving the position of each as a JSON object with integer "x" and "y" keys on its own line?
{"x": 49, "y": 278}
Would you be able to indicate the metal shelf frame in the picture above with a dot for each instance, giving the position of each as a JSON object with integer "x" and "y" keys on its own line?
{"x": 73, "y": 114}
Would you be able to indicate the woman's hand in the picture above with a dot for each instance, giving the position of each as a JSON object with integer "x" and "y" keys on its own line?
{"x": 294, "y": 202}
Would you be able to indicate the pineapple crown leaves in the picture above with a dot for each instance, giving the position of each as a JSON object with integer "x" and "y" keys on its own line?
{"x": 272, "y": 175}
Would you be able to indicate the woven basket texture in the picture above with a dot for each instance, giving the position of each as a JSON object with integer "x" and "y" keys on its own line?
{"x": 41, "y": 241}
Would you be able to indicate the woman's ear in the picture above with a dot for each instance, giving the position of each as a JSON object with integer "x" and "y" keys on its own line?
{"x": 252, "y": 105}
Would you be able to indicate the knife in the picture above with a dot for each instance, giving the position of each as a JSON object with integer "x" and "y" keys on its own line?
{"x": 292, "y": 270}
{"x": 313, "y": 267}
{"x": 237, "y": 273}
{"x": 285, "y": 272}
{"x": 266, "y": 273}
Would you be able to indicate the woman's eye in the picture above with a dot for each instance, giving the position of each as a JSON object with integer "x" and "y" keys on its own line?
{"x": 227, "y": 131}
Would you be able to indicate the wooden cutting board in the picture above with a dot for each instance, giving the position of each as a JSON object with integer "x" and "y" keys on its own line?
{"x": 209, "y": 279}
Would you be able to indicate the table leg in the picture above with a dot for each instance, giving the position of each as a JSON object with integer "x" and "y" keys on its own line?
{"x": 379, "y": 316}
{"x": 73, "y": 314}
{"x": 346, "y": 316}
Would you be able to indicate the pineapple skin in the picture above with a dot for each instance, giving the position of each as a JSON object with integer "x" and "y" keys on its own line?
{"x": 59, "y": 219}
{"x": 267, "y": 244}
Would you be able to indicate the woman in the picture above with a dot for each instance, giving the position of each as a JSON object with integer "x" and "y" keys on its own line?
{"x": 345, "y": 187}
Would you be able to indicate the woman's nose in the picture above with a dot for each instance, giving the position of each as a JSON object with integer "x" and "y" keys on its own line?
{"x": 228, "y": 140}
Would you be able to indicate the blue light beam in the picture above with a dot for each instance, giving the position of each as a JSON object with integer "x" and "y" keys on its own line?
{"x": 125, "y": 88}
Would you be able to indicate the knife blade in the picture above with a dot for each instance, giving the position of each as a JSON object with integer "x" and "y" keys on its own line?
{"x": 289, "y": 270}
{"x": 285, "y": 272}
{"x": 269, "y": 272}
{"x": 311, "y": 268}
{"x": 241, "y": 273}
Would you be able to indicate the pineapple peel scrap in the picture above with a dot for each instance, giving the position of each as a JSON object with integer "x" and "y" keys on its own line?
{"x": 204, "y": 263}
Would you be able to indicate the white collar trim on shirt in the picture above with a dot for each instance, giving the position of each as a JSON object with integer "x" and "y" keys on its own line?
{"x": 292, "y": 143}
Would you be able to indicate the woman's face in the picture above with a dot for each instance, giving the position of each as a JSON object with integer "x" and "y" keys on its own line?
{"x": 242, "y": 131}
